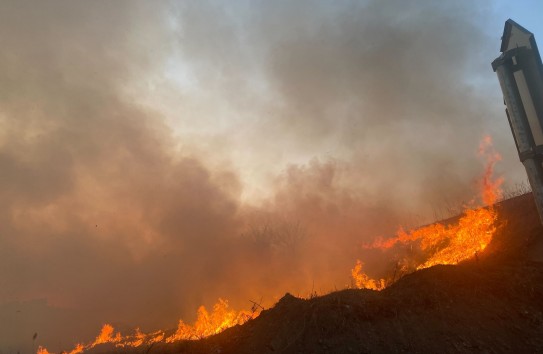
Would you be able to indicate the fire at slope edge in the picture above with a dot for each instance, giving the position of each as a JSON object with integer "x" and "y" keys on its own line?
{"x": 444, "y": 244}
{"x": 207, "y": 324}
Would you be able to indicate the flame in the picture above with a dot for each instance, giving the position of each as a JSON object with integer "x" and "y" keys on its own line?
{"x": 438, "y": 243}
{"x": 448, "y": 244}
{"x": 42, "y": 350}
{"x": 221, "y": 318}
{"x": 208, "y": 324}
{"x": 79, "y": 348}
{"x": 491, "y": 191}
{"x": 106, "y": 336}
{"x": 362, "y": 281}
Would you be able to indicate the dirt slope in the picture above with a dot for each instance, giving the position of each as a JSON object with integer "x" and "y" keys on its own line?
{"x": 490, "y": 305}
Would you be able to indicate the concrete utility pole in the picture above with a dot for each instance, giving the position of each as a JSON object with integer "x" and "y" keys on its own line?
{"x": 520, "y": 72}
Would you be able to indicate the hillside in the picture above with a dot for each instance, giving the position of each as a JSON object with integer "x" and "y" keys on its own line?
{"x": 489, "y": 304}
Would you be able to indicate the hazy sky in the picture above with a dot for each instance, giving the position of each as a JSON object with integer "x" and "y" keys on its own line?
{"x": 157, "y": 155}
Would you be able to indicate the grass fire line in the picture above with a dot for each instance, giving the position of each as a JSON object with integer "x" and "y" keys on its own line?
{"x": 441, "y": 244}
{"x": 444, "y": 244}
{"x": 207, "y": 324}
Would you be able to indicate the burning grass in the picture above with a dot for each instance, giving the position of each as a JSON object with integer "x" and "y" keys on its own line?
{"x": 430, "y": 245}
{"x": 206, "y": 324}
{"x": 440, "y": 243}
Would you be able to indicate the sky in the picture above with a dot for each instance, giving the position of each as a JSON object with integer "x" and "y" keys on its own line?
{"x": 156, "y": 156}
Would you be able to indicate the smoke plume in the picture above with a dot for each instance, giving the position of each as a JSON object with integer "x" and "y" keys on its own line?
{"x": 155, "y": 156}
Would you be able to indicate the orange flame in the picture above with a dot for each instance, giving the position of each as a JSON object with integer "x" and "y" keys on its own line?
{"x": 221, "y": 318}
{"x": 79, "y": 348}
{"x": 449, "y": 244}
{"x": 106, "y": 336}
{"x": 208, "y": 324}
{"x": 491, "y": 191}
{"x": 42, "y": 350}
{"x": 442, "y": 244}
{"x": 362, "y": 281}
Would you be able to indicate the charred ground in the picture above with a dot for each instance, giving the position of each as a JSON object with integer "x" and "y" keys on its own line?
{"x": 489, "y": 304}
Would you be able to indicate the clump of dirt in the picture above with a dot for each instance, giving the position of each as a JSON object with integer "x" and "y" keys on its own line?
{"x": 489, "y": 304}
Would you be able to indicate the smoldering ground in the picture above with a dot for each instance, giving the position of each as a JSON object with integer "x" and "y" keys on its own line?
{"x": 156, "y": 156}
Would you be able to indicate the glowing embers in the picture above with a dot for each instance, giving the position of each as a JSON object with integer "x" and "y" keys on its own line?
{"x": 445, "y": 243}
{"x": 221, "y": 318}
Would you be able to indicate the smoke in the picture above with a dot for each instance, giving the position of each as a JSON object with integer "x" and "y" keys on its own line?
{"x": 156, "y": 156}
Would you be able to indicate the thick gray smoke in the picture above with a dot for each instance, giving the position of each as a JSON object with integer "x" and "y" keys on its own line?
{"x": 157, "y": 155}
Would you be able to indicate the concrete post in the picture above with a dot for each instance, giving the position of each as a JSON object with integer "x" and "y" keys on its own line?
{"x": 520, "y": 73}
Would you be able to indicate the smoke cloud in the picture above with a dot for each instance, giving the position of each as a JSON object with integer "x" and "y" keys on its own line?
{"x": 156, "y": 156}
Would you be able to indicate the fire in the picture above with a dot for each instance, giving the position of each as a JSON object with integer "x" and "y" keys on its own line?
{"x": 106, "y": 336}
{"x": 78, "y": 349}
{"x": 448, "y": 244}
{"x": 362, "y": 281}
{"x": 433, "y": 244}
{"x": 208, "y": 324}
{"x": 491, "y": 191}
{"x": 221, "y": 318}
{"x": 42, "y": 350}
